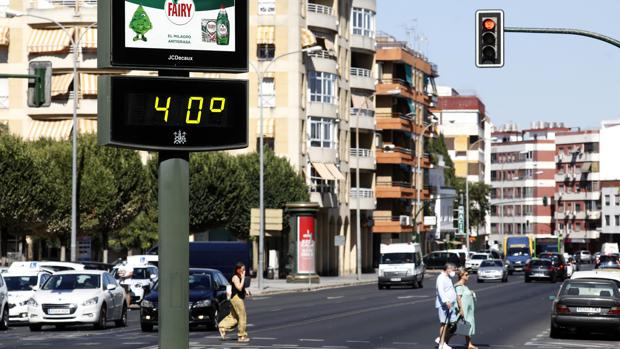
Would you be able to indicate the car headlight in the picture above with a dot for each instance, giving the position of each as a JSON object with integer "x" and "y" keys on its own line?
{"x": 203, "y": 303}
{"x": 146, "y": 304}
{"x": 32, "y": 302}
{"x": 381, "y": 273}
{"x": 91, "y": 301}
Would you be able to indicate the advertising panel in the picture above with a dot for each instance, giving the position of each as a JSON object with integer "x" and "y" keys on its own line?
{"x": 306, "y": 245}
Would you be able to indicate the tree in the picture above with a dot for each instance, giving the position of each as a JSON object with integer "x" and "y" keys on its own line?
{"x": 478, "y": 201}
{"x": 437, "y": 146}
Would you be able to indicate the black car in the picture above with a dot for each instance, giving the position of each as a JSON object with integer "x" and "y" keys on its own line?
{"x": 608, "y": 261}
{"x": 437, "y": 259}
{"x": 207, "y": 300}
{"x": 540, "y": 269}
{"x": 586, "y": 303}
{"x": 559, "y": 263}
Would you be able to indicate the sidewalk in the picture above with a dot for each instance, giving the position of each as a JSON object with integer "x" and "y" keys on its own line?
{"x": 326, "y": 282}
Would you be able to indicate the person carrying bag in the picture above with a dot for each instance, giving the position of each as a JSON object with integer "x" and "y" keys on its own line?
{"x": 466, "y": 323}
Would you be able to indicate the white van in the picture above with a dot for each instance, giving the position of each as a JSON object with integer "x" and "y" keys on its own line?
{"x": 143, "y": 259}
{"x": 401, "y": 264}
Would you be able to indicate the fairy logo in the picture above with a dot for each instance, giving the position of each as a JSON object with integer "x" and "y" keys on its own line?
{"x": 180, "y": 12}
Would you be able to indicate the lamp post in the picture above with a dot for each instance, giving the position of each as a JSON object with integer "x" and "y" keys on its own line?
{"x": 417, "y": 173}
{"x": 12, "y": 13}
{"x": 261, "y": 196}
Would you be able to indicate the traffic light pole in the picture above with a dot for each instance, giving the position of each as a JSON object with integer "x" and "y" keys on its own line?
{"x": 39, "y": 85}
{"x": 566, "y": 31}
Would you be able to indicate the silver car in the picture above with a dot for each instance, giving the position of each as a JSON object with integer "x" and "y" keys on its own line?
{"x": 492, "y": 269}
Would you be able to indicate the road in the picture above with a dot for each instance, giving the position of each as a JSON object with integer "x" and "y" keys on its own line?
{"x": 508, "y": 315}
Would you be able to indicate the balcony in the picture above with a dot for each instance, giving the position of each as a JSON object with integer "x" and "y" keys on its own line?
{"x": 394, "y": 87}
{"x": 395, "y": 190}
{"x": 596, "y": 195}
{"x": 64, "y": 11}
{"x": 577, "y": 157}
{"x": 363, "y": 41}
{"x": 362, "y": 79}
{"x": 362, "y": 119}
{"x": 364, "y": 157}
{"x": 392, "y": 155}
{"x": 322, "y": 16}
{"x": 394, "y": 121}
{"x": 365, "y": 196}
{"x": 324, "y": 61}
{"x": 386, "y": 223}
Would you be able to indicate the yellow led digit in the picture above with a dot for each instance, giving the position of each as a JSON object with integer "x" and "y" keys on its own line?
{"x": 164, "y": 109}
{"x": 222, "y": 101}
{"x": 188, "y": 120}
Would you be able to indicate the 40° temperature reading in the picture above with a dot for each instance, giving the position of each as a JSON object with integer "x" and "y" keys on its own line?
{"x": 195, "y": 106}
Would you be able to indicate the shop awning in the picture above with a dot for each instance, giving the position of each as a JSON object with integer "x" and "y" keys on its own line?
{"x": 360, "y": 102}
{"x": 266, "y": 34}
{"x": 88, "y": 84}
{"x": 49, "y": 40}
{"x": 335, "y": 172}
{"x": 4, "y": 36}
{"x": 61, "y": 83}
{"x": 89, "y": 39}
{"x": 56, "y": 130}
{"x": 307, "y": 38}
{"x": 87, "y": 126}
{"x": 323, "y": 171}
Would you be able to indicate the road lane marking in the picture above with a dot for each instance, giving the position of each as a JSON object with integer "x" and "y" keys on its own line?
{"x": 335, "y": 297}
{"x": 352, "y": 341}
{"x": 416, "y": 296}
{"x": 311, "y": 340}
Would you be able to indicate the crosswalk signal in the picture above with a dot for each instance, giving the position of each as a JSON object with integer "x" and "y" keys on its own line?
{"x": 40, "y": 84}
{"x": 489, "y": 38}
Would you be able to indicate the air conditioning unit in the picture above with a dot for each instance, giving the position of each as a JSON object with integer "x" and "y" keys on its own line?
{"x": 389, "y": 147}
{"x": 405, "y": 221}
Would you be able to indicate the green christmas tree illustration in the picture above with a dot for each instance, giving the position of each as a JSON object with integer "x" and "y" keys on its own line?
{"x": 140, "y": 24}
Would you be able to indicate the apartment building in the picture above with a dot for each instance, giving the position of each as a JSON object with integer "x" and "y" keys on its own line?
{"x": 318, "y": 112}
{"x": 609, "y": 134}
{"x": 578, "y": 196}
{"x": 522, "y": 179}
{"x": 405, "y": 94}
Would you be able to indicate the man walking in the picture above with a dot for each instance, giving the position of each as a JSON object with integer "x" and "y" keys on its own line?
{"x": 445, "y": 302}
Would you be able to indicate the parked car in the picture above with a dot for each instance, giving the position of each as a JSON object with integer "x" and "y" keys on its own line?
{"x": 586, "y": 304}
{"x": 540, "y": 269}
{"x": 559, "y": 263}
{"x": 78, "y": 297}
{"x": 583, "y": 256}
{"x": 609, "y": 261}
{"x": 401, "y": 264}
{"x": 4, "y": 305}
{"x": 60, "y": 266}
{"x": 492, "y": 269}
{"x": 474, "y": 262}
{"x": 92, "y": 265}
{"x": 437, "y": 259}
{"x": 207, "y": 300}
{"x": 22, "y": 285}
{"x": 139, "y": 275}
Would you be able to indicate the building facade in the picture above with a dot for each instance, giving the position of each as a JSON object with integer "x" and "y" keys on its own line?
{"x": 578, "y": 196}
{"x": 523, "y": 179}
{"x": 610, "y": 180}
{"x": 405, "y": 94}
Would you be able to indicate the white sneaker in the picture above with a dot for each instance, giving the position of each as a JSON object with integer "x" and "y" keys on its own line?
{"x": 445, "y": 346}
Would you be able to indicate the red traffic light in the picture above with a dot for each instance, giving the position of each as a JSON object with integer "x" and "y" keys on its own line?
{"x": 488, "y": 24}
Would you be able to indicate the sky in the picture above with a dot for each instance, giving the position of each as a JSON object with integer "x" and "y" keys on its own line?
{"x": 546, "y": 77}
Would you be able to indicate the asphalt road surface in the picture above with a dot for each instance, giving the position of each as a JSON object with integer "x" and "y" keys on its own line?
{"x": 508, "y": 315}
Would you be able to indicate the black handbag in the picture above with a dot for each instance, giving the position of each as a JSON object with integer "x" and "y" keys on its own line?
{"x": 463, "y": 327}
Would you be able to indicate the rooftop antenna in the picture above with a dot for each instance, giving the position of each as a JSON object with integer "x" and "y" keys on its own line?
{"x": 410, "y": 30}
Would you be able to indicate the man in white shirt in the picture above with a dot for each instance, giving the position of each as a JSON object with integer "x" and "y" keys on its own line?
{"x": 445, "y": 302}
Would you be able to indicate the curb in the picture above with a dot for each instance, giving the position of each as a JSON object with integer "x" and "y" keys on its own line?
{"x": 267, "y": 292}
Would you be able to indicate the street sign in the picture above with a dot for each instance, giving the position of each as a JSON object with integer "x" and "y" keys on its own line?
{"x": 339, "y": 240}
{"x": 461, "y": 221}
{"x": 430, "y": 220}
{"x": 193, "y": 35}
{"x": 166, "y": 113}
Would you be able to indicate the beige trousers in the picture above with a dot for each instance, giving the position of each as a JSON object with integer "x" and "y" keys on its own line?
{"x": 237, "y": 317}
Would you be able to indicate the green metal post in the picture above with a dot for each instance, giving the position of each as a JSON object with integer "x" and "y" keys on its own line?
{"x": 173, "y": 250}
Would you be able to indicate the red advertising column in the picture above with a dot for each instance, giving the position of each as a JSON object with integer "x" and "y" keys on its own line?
{"x": 302, "y": 242}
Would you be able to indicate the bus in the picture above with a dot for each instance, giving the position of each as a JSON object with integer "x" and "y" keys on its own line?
{"x": 548, "y": 243}
{"x": 518, "y": 249}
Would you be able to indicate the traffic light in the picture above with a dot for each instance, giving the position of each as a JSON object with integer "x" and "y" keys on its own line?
{"x": 40, "y": 84}
{"x": 489, "y": 38}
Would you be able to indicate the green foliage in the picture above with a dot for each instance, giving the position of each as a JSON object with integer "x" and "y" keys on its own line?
{"x": 478, "y": 201}
{"x": 437, "y": 146}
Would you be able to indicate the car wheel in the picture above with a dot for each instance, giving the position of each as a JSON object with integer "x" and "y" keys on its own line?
{"x": 505, "y": 279}
{"x": 510, "y": 272}
{"x": 122, "y": 322}
{"x": 4, "y": 324}
{"x": 421, "y": 283}
{"x": 388, "y": 287}
{"x": 35, "y": 327}
{"x": 480, "y": 281}
{"x": 146, "y": 327}
{"x": 553, "y": 279}
{"x": 103, "y": 320}
{"x": 214, "y": 323}
{"x": 554, "y": 332}
{"x": 380, "y": 286}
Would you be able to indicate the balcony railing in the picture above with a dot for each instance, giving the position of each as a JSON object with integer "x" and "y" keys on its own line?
{"x": 362, "y": 193}
{"x": 361, "y": 72}
{"x": 322, "y": 9}
{"x": 396, "y": 81}
{"x": 43, "y": 4}
{"x": 362, "y": 112}
{"x": 396, "y": 115}
{"x": 361, "y": 152}
{"x": 402, "y": 184}
{"x": 325, "y": 54}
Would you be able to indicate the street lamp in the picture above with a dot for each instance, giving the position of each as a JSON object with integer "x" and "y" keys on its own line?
{"x": 358, "y": 223}
{"x": 261, "y": 199}
{"x": 13, "y": 13}
{"x": 418, "y": 170}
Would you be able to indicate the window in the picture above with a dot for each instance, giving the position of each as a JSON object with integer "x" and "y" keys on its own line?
{"x": 450, "y": 143}
{"x": 617, "y": 220}
{"x": 265, "y": 51}
{"x": 363, "y": 22}
{"x": 321, "y": 132}
{"x": 322, "y": 87}
{"x": 268, "y": 97}
{"x": 266, "y": 7}
{"x": 577, "y": 207}
{"x": 607, "y": 200}
{"x": 617, "y": 200}
{"x": 461, "y": 153}
{"x": 4, "y": 93}
{"x": 320, "y": 185}
{"x": 607, "y": 220}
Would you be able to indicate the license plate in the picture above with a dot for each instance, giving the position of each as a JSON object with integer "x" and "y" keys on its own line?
{"x": 588, "y": 310}
{"x": 58, "y": 311}
{"x": 395, "y": 279}
{"x": 538, "y": 274}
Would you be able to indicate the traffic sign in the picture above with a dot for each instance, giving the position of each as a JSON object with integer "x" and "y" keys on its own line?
{"x": 461, "y": 221}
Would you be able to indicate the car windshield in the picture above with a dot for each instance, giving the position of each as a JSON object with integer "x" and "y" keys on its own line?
{"x": 590, "y": 289}
{"x": 541, "y": 263}
{"x": 491, "y": 264}
{"x": 72, "y": 282}
{"x": 552, "y": 257}
{"x": 608, "y": 259}
{"x": 480, "y": 256}
{"x": 200, "y": 282}
{"x": 20, "y": 283}
{"x": 518, "y": 251}
{"x": 396, "y": 258}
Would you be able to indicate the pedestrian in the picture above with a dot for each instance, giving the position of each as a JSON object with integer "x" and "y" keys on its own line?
{"x": 445, "y": 302}
{"x": 237, "y": 316}
{"x": 467, "y": 300}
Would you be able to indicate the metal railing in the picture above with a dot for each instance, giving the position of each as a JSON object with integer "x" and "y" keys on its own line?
{"x": 408, "y": 117}
{"x": 325, "y": 54}
{"x": 322, "y": 9}
{"x": 361, "y": 72}
{"x": 361, "y": 152}
{"x": 402, "y": 184}
{"x": 396, "y": 81}
{"x": 362, "y": 112}
{"x": 362, "y": 193}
